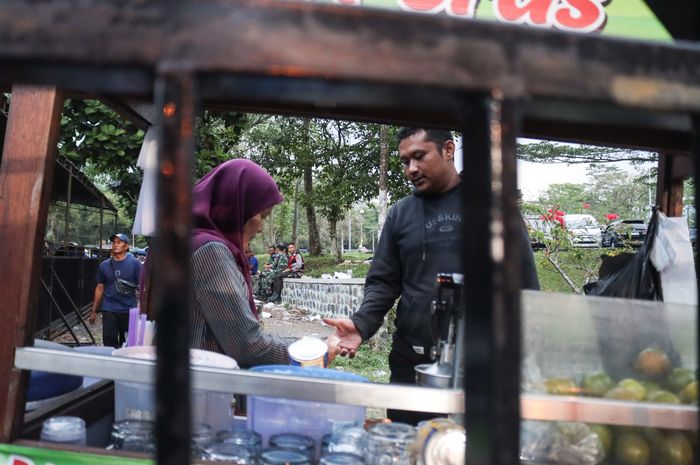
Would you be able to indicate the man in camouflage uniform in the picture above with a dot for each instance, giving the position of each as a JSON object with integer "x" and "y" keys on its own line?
{"x": 276, "y": 265}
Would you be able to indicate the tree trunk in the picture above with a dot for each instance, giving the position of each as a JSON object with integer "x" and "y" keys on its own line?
{"x": 295, "y": 222}
{"x": 336, "y": 246}
{"x": 314, "y": 242}
{"x": 383, "y": 177}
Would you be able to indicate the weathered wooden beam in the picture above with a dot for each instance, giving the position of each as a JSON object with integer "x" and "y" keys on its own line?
{"x": 674, "y": 169}
{"x": 26, "y": 174}
{"x": 269, "y": 37}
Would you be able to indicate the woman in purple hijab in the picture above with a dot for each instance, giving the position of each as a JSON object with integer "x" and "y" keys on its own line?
{"x": 229, "y": 206}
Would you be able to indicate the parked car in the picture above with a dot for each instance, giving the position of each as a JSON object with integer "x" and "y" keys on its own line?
{"x": 535, "y": 224}
{"x": 584, "y": 230}
{"x": 624, "y": 232}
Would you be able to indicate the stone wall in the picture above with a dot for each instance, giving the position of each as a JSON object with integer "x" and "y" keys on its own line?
{"x": 337, "y": 298}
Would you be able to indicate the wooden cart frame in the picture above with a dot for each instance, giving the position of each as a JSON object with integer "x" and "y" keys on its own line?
{"x": 493, "y": 82}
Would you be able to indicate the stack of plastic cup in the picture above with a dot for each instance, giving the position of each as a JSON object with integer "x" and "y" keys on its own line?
{"x": 64, "y": 430}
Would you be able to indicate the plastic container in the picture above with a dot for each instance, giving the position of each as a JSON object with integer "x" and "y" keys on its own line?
{"x": 64, "y": 430}
{"x": 45, "y": 385}
{"x": 270, "y": 416}
{"x": 95, "y": 350}
{"x": 308, "y": 352}
{"x": 137, "y": 401}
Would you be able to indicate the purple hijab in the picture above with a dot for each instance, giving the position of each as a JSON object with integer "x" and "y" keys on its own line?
{"x": 224, "y": 200}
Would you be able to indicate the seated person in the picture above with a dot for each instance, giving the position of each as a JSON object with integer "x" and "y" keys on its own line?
{"x": 272, "y": 251}
{"x": 252, "y": 261}
{"x": 295, "y": 266}
{"x": 278, "y": 265}
{"x": 229, "y": 205}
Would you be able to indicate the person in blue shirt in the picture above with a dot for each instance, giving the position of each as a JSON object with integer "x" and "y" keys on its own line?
{"x": 112, "y": 298}
{"x": 252, "y": 260}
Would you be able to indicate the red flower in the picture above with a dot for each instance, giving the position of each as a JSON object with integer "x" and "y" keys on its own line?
{"x": 612, "y": 216}
{"x": 586, "y": 205}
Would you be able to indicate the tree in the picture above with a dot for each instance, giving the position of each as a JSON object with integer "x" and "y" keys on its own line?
{"x": 338, "y": 161}
{"x": 552, "y": 152}
{"x": 105, "y": 147}
{"x": 383, "y": 200}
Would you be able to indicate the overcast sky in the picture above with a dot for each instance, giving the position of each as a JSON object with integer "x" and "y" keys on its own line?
{"x": 534, "y": 178}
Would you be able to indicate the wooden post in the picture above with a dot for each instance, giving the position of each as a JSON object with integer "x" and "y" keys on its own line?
{"x": 673, "y": 170}
{"x": 26, "y": 175}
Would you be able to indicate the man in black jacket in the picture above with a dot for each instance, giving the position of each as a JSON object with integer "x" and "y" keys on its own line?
{"x": 421, "y": 237}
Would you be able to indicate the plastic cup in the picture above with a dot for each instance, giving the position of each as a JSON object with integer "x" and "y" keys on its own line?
{"x": 64, "y": 430}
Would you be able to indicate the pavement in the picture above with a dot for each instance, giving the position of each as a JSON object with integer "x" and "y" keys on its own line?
{"x": 276, "y": 319}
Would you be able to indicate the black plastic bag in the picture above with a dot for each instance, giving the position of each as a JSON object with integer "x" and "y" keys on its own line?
{"x": 622, "y": 335}
{"x": 637, "y": 279}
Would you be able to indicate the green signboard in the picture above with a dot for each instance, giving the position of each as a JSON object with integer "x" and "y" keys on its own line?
{"x": 622, "y": 18}
{"x": 20, "y": 455}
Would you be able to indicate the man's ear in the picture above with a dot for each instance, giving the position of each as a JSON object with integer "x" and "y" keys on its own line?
{"x": 448, "y": 149}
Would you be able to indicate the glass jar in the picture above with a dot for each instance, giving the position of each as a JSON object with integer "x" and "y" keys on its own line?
{"x": 293, "y": 441}
{"x": 64, "y": 430}
{"x": 242, "y": 437}
{"x": 341, "y": 458}
{"x": 275, "y": 456}
{"x": 202, "y": 437}
{"x": 230, "y": 452}
{"x": 325, "y": 440}
{"x": 133, "y": 435}
{"x": 391, "y": 444}
{"x": 351, "y": 440}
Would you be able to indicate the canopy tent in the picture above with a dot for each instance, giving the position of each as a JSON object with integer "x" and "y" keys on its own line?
{"x": 70, "y": 185}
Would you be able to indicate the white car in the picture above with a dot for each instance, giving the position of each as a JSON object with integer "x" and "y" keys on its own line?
{"x": 584, "y": 230}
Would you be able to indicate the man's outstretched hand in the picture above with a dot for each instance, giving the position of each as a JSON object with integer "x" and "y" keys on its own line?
{"x": 348, "y": 335}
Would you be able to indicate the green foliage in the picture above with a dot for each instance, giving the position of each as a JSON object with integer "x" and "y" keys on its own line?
{"x": 371, "y": 361}
{"x": 217, "y": 136}
{"x": 105, "y": 147}
{"x": 552, "y": 152}
{"x": 343, "y": 157}
{"x": 570, "y": 261}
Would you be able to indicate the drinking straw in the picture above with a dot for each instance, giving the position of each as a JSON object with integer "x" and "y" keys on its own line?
{"x": 131, "y": 338}
{"x": 148, "y": 334}
{"x": 142, "y": 329}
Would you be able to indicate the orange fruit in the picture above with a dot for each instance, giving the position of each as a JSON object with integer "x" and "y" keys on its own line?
{"x": 689, "y": 394}
{"x": 653, "y": 363}
{"x": 663, "y": 397}
{"x": 596, "y": 384}
{"x": 632, "y": 449}
{"x": 635, "y": 386}
{"x": 677, "y": 450}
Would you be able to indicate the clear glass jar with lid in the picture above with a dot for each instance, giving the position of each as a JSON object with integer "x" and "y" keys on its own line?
{"x": 202, "y": 437}
{"x": 244, "y": 437}
{"x": 341, "y": 458}
{"x": 134, "y": 436}
{"x": 294, "y": 441}
{"x": 230, "y": 452}
{"x": 391, "y": 444}
{"x": 275, "y": 456}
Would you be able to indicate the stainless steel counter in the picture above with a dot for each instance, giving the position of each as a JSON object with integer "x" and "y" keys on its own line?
{"x": 533, "y": 406}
